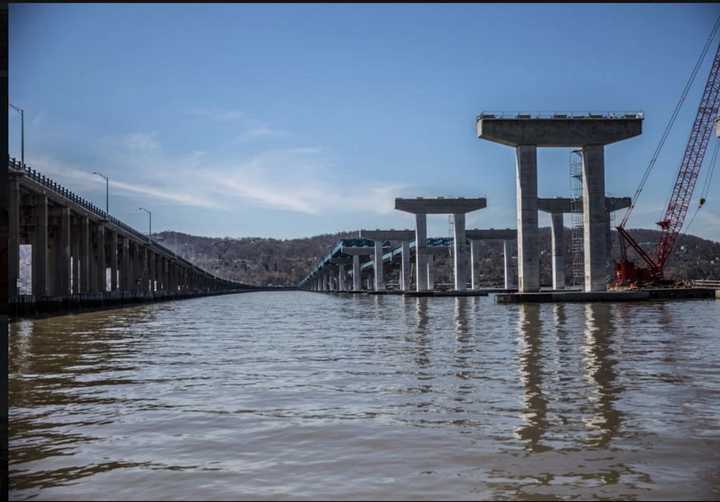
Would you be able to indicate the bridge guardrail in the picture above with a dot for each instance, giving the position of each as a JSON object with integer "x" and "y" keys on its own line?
{"x": 560, "y": 115}
{"x": 706, "y": 283}
{"x": 92, "y": 208}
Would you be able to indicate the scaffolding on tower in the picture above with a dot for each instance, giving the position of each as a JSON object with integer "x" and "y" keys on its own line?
{"x": 577, "y": 269}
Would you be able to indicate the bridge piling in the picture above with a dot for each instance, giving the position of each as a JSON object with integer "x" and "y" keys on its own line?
{"x": 81, "y": 256}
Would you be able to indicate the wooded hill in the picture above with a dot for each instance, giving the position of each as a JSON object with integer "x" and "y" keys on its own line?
{"x": 284, "y": 262}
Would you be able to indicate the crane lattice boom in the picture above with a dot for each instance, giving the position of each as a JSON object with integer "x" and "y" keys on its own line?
{"x": 687, "y": 176}
{"x": 692, "y": 160}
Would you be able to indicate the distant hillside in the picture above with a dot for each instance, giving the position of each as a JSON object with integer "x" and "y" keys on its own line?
{"x": 284, "y": 262}
{"x": 253, "y": 260}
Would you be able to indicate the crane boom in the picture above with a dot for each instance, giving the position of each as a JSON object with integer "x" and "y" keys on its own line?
{"x": 682, "y": 192}
{"x": 695, "y": 149}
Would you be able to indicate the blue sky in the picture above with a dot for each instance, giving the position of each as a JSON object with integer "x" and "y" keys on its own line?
{"x": 293, "y": 120}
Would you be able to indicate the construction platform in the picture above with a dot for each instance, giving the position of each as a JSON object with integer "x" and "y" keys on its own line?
{"x": 467, "y": 292}
{"x": 609, "y": 296}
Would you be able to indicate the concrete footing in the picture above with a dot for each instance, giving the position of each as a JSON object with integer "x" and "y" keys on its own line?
{"x": 466, "y": 292}
{"x": 607, "y": 296}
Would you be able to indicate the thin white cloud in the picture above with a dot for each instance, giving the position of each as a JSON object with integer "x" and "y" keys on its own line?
{"x": 143, "y": 142}
{"x": 81, "y": 180}
{"x": 179, "y": 197}
{"x": 268, "y": 196}
{"x": 261, "y": 132}
{"x": 299, "y": 179}
{"x": 216, "y": 114}
{"x": 305, "y": 150}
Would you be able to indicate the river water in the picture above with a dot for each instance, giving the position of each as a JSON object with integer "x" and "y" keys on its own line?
{"x": 295, "y": 395}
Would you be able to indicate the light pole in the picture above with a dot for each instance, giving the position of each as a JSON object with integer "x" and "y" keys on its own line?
{"x": 22, "y": 133}
{"x": 107, "y": 192}
{"x": 150, "y": 222}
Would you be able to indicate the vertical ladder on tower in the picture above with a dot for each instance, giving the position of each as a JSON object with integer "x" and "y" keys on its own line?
{"x": 576, "y": 219}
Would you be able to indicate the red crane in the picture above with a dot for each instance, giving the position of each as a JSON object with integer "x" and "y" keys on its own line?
{"x": 626, "y": 273}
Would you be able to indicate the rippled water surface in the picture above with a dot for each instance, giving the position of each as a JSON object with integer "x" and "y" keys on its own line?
{"x": 307, "y": 395}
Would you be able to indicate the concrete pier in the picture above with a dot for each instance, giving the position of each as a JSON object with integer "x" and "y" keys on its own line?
{"x": 341, "y": 277}
{"x": 459, "y": 252}
{"x": 421, "y": 252}
{"x": 405, "y": 279}
{"x": 340, "y": 265}
{"x": 504, "y": 234}
{"x": 63, "y": 256}
{"x": 421, "y": 207}
{"x": 72, "y": 245}
{"x": 527, "y": 219}
{"x": 557, "y": 207}
{"x": 591, "y": 133}
{"x": 356, "y": 253}
{"x": 378, "y": 272}
{"x": 429, "y": 271}
{"x": 595, "y": 218}
{"x": 85, "y": 255}
{"x": 357, "y": 283}
{"x": 13, "y": 237}
{"x": 126, "y": 271}
{"x": 40, "y": 247}
{"x": 113, "y": 261}
{"x": 509, "y": 283}
{"x": 379, "y": 237}
{"x": 100, "y": 273}
{"x": 557, "y": 232}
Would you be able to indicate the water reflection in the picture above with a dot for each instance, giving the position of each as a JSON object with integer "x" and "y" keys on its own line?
{"x": 461, "y": 319}
{"x": 462, "y": 355}
{"x": 534, "y": 412}
{"x": 388, "y": 397}
{"x": 422, "y": 350}
{"x": 599, "y": 370}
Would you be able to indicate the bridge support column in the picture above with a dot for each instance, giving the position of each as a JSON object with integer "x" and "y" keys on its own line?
{"x": 341, "y": 277}
{"x": 134, "y": 270}
{"x": 146, "y": 270}
{"x": 405, "y": 266}
{"x": 558, "y": 250}
{"x": 430, "y": 273}
{"x": 100, "y": 265}
{"x": 113, "y": 261}
{"x": 125, "y": 281}
{"x": 76, "y": 233}
{"x": 181, "y": 277}
{"x": 527, "y": 219}
{"x": 13, "y": 237}
{"x": 507, "y": 262}
{"x": 421, "y": 252}
{"x": 165, "y": 274}
{"x": 40, "y": 248}
{"x": 595, "y": 218}
{"x": 161, "y": 274}
{"x": 378, "y": 266}
{"x": 357, "y": 276}
{"x": 174, "y": 277}
{"x": 85, "y": 267}
{"x": 473, "y": 264}
{"x": 460, "y": 251}
{"x": 62, "y": 255}
{"x": 140, "y": 269}
{"x": 153, "y": 271}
